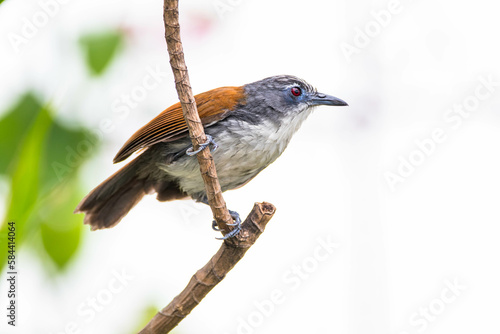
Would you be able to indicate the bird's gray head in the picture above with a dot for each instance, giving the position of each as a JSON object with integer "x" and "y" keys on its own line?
{"x": 287, "y": 94}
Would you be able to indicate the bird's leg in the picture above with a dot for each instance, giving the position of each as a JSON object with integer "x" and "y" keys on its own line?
{"x": 235, "y": 215}
{"x": 210, "y": 141}
{"x": 237, "y": 226}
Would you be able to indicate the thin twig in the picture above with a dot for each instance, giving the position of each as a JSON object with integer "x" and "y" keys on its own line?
{"x": 196, "y": 131}
{"x": 233, "y": 249}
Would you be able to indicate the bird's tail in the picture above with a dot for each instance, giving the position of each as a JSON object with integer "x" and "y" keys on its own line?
{"x": 109, "y": 202}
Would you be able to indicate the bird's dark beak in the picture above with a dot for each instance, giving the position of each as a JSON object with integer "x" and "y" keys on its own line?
{"x": 319, "y": 99}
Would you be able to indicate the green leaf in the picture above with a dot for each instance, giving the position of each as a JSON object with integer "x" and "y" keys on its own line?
{"x": 42, "y": 155}
{"x": 26, "y": 178}
{"x": 14, "y": 126}
{"x": 25, "y": 181}
{"x": 65, "y": 152}
{"x": 61, "y": 230}
{"x": 100, "y": 48}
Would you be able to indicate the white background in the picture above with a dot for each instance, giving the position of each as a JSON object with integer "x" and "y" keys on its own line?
{"x": 398, "y": 248}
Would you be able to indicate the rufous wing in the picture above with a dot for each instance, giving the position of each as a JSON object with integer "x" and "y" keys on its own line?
{"x": 212, "y": 106}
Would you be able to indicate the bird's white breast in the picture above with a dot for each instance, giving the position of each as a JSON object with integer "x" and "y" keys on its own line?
{"x": 244, "y": 150}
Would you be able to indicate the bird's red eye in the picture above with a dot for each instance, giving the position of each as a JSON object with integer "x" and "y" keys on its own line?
{"x": 296, "y": 91}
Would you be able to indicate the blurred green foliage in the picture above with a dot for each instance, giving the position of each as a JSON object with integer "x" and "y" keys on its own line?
{"x": 25, "y": 178}
{"x": 41, "y": 159}
{"x": 61, "y": 231}
{"x": 100, "y": 48}
{"x": 145, "y": 316}
{"x": 31, "y": 153}
{"x": 14, "y": 126}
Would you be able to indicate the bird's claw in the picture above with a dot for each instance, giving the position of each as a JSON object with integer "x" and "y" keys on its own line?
{"x": 210, "y": 141}
{"x": 237, "y": 226}
{"x": 214, "y": 226}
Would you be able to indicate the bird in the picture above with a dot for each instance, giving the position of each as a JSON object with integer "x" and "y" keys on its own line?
{"x": 247, "y": 128}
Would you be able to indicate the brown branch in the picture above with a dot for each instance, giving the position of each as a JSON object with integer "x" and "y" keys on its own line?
{"x": 205, "y": 279}
{"x": 233, "y": 249}
{"x": 196, "y": 131}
